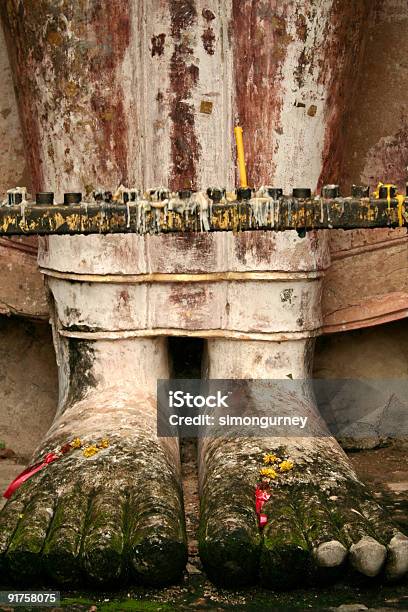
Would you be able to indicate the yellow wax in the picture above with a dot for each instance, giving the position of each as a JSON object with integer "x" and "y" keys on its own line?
{"x": 241, "y": 156}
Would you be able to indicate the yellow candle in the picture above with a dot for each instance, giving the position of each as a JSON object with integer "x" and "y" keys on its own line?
{"x": 241, "y": 156}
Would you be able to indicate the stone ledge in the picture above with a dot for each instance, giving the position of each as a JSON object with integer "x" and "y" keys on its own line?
{"x": 144, "y": 217}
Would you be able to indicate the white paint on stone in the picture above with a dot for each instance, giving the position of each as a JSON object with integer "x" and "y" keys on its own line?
{"x": 132, "y": 254}
{"x": 300, "y": 140}
{"x": 147, "y": 79}
{"x": 276, "y": 286}
{"x": 214, "y": 130}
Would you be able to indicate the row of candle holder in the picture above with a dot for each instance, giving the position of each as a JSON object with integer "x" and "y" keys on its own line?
{"x": 216, "y": 194}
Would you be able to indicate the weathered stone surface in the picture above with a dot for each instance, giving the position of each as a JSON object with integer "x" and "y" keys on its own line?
{"x": 29, "y": 384}
{"x": 21, "y": 289}
{"x": 366, "y": 283}
{"x": 377, "y": 123}
{"x": 215, "y": 303}
{"x": 22, "y": 286}
{"x": 40, "y": 62}
{"x": 13, "y": 169}
{"x": 295, "y": 69}
{"x": 372, "y": 406}
{"x": 398, "y": 557}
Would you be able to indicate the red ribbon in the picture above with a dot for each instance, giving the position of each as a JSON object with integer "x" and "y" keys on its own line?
{"x": 28, "y": 472}
{"x": 261, "y": 497}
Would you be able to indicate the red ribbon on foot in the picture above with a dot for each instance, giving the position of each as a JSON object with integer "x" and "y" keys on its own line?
{"x": 261, "y": 497}
{"x": 263, "y": 519}
{"x": 28, "y": 472}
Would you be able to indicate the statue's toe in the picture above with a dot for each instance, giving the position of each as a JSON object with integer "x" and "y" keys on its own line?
{"x": 97, "y": 522}
{"x": 397, "y": 557}
{"x": 24, "y": 552}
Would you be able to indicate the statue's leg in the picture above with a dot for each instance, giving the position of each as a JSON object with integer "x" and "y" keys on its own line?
{"x": 321, "y": 518}
{"x": 117, "y": 514}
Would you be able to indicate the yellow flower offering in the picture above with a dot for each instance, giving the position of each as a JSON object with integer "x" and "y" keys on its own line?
{"x": 104, "y": 443}
{"x": 269, "y": 458}
{"x": 77, "y": 443}
{"x": 268, "y": 473}
{"x": 89, "y": 451}
{"x": 286, "y": 465}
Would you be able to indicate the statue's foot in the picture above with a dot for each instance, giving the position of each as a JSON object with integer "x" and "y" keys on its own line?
{"x": 321, "y": 520}
{"x": 114, "y": 515}
{"x": 103, "y": 517}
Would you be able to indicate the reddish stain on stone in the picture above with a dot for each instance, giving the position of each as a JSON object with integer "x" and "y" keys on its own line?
{"x": 301, "y": 68}
{"x": 44, "y": 50}
{"x": 301, "y": 28}
{"x": 310, "y": 53}
{"x": 113, "y": 127}
{"x": 124, "y": 296}
{"x": 111, "y": 23}
{"x": 344, "y": 45}
{"x": 387, "y": 161}
{"x": 19, "y": 42}
{"x": 314, "y": 242}
{"x": 202, "y": 245}
{"x": 257, "y": 246}
{"x": 208, "y": 38}
{"x": 190, "y": 252}
{"x": 183, "y": 78}
{"x": 183, "y": 14}
{"x": 189, "y": 296}
{"x": 158, "y": 44}
{"x": 260, "y": 40}
{"x": 32, "y": 141}
{"x": 208, "y": 15}
{"x": 190, "y": 301}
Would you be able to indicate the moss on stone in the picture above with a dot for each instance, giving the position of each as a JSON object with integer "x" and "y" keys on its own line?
{"x": 286, "y": 559}
{"x": 24, "y": 551}
{"x": 157, "y": 560}
{"x": 231, "y": 558}
{"x": 62, "y": 546}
